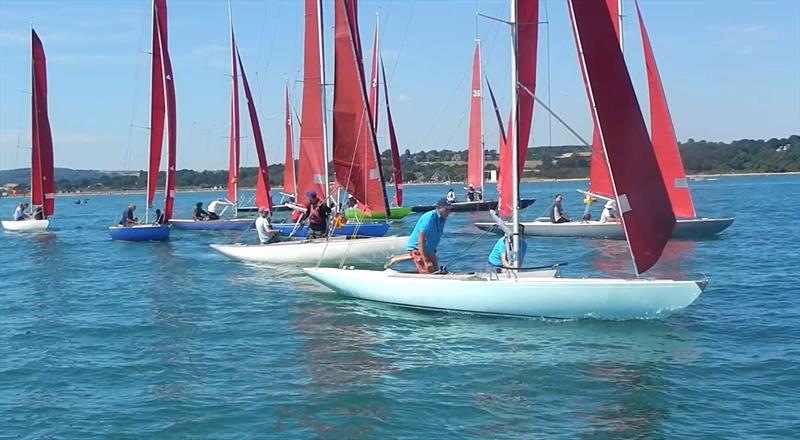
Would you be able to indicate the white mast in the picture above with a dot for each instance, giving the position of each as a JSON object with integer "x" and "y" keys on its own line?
{"x": 152, "y": 60}
{"x": 514, "y": 137}
{"x": 322, "y": 90}
{"x": 619, "y": 19}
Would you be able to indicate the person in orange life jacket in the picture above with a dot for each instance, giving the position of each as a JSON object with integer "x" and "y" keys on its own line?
{"x": 317, "y": 215}
{"x": 424, "y": 239}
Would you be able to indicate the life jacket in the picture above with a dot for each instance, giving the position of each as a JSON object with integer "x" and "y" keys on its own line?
{"x": 314, "y": 216}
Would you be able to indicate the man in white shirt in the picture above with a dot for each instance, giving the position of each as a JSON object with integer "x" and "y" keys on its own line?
{"x": 215, "y": 209}
{"x": 266, "y": 234}
{"x": 19, "y": 213}
{"x": 609, "y": 214}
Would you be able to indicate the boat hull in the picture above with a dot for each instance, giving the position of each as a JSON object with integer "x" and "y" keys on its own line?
{"x": 139, "y": 233}
{"x": 232, "y": 224}
{"x": 547, "y": 297}
{"x": 29, "y": 225}
{"x": 484, "y": 205}
{"x": 349, "y": 229}
{"x": 361, "y": 252}
{"x": 394, "y": 214}
{"x": 684, "y": 228}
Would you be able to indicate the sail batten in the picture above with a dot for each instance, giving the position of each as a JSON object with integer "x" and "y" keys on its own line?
{"x": 642, "y": 199}
{"x": 311, "y": 166}
{"x": 355, "y": 151}
{"x": 663, "y": 136}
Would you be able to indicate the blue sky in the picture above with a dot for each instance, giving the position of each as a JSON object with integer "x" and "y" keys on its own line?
{"x": 730, "y": 69}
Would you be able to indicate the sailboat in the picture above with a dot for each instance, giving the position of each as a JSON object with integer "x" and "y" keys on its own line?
{"x": 262, "y": 190}
{"x": 646, "y": 215}
{"x": 664, "y": 142}
{"x": 162, "y": 108}
{"x": 42, "y": 175}
{"x": 354, "y": 156}
{"x": 397, "y": 212}
{"x": 475, "y": 155}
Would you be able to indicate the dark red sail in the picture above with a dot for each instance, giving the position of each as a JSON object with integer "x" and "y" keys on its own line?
{"x": 42, "y": 175}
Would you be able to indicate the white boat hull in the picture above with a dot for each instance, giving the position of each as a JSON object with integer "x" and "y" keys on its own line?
{"x": 528, "y": 296}
{"x": 684, "y": 228}
{"x": 361, "y": 252}
{"x": 26, "y": 225}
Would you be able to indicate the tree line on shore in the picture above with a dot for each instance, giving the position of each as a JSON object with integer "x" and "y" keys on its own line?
{"x": 570, "y": 161}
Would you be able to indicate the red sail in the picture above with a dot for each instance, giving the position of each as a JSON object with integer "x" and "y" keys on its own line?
{"x": 527, "y": 16}
{"x": 599, "y": 179}
{"x": 355, "y": 153}
{"x": 311, "y": 161}
{"x": 475, "y": 137}
{"x": 42, "y": 181}
{"x": 172, "y": 139}
{"x": 233, "y": 157}
{"x": 638, "y": 186}
{"x": 373, "y": 82}
{"x": 663, "y": 135}
{"x": 157, "y": 97}
{"x": 263, "y": 197}
{"x": 397, "y": 165}
{"x": 289, "y": 186}
{"x": 504, "y": 171}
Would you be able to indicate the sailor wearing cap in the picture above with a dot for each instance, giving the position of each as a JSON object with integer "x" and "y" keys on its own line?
{"x": 426, "y": 235}
{"x": 609, "y": 214}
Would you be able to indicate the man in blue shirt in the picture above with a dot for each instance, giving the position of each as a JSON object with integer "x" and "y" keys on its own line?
{"x": 425, "y": 237}
{"x": 127, "y": 217}
{"x": 499, "y": 257}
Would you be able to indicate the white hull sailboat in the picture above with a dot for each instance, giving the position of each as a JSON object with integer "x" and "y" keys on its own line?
{"x": 542, "y": 296}
{"x": 27, "y": 225}
{"x": 648, "y": 219}
{"x": 684, "y": 228}
{"x": 335, "y": 251}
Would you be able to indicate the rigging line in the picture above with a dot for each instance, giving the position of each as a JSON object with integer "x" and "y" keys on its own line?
{"x": 403, "y": 41}
{"x": 450, "y": 100}
{"x": 458, "y": 127}
{"x": 467, "y": 248}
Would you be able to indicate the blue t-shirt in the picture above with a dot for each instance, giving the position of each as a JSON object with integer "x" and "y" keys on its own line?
{"x": 432, "y": 224}
{"x": 495, "y": 258}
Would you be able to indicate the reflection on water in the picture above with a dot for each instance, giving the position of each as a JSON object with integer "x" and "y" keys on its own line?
{"x": 612, "y": 258}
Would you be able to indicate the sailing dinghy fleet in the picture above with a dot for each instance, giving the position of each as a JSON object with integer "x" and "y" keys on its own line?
{"x": 640, "y": 172}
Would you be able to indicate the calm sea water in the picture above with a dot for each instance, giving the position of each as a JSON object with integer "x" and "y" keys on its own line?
{"x": 107, "y": 339}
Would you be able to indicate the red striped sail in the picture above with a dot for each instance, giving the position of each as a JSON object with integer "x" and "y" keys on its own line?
{"x": 397, "y": 165}
{"x": 42, "y": 176}
{"x": 234, "y": 148}
{"x": 373, "y": 82}
{"x": 663, "y": 135}
{"x": 311, "y": 162}
{"x": 527, "y": 36}
{"x": 263, "y": 197}
{"x": 157, "y": 97}
{"x": 647, "y": 217}
{"x": 475, "y": 138}
{"x": 289, "y": 185}
{"x": 355, "y": 152}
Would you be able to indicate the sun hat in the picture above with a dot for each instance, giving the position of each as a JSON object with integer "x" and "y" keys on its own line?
{"x": 610, "y": 204}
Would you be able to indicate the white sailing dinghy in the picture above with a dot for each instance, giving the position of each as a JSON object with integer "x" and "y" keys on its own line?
{"x": 42, "y": 173}
{"x": 355, "y": 157}
{"x": 646, "y": 214}
{"x": 665, "y": 145}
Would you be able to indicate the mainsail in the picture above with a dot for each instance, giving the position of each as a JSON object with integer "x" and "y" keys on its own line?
{"x": 42, "y": 177}
{"x": 475, "y": 136}
{"x": 397, "y": 165}
{"x": 663, "y": 135}
{"x": 527, "y": 34}
{"x": 169, "y": 90}
{"x": 643, "y": 201}
{"x": 311, "y": 167}
{"x": 263, "y": 198}
{"x": 233, "y": 159}
{"x": 157, "y": 100}
{"x": 355, "y": 152}
{"x": 289, "y": 183}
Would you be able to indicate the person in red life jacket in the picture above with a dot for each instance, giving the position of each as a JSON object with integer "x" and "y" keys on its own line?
{"x": 317, "y": 216}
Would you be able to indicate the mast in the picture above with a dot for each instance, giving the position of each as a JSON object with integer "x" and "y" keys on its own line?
{"x": 514, "y": 138}
{"x": 324, "y": 106}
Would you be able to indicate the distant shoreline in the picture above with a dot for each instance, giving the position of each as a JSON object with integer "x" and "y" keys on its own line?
{"x": 524, "y": 180}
